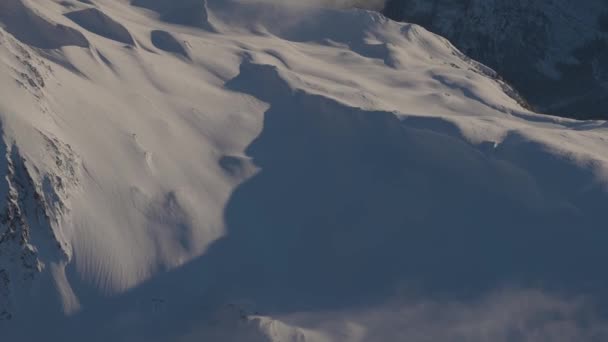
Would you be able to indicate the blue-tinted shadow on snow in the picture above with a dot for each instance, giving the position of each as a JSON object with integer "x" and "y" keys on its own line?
{"x": 352, "y": 207}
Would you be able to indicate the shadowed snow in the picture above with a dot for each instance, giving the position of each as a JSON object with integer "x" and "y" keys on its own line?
{"x": 310, "y": 175}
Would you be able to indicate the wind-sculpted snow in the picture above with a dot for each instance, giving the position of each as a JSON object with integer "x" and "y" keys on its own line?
{"x": 34, "y": 29}
{"x": 296, "y": 174}
{"x": 184, "y": 12}
{"x": 98, "y": 22}
{"x": 166, "y": 41}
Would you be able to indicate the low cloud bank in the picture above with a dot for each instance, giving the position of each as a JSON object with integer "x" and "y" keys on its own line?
{"x": 366, "y": 4}
{"x": 505, "y": 316}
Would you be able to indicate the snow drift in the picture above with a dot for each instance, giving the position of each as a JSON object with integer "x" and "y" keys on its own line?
{"x": 261, "y": 174}
{"x": 98, "y": 22}
{"x": 34, "y": 29}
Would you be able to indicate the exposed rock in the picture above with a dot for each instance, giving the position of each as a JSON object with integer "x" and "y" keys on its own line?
{"x": 30, "y": 206}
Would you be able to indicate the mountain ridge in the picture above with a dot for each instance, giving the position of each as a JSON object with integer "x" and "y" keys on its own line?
{"x": 553, "y": 52}
{"x": 293, "y": 174}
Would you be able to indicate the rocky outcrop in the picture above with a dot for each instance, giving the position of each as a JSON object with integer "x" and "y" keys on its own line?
{"x": 30, "y": 208}
{"x": 19, "y": 259}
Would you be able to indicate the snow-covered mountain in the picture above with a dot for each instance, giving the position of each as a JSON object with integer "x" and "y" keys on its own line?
{"x": 555, "y": 52}
{"x": 244, "y": 171}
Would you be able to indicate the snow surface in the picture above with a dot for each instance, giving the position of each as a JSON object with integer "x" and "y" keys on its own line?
{"x": 243, "y": 171}
{"x": 552, "y": 51}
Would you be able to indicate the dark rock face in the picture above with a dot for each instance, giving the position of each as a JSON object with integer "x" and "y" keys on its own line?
{"x": 555, "y": 52}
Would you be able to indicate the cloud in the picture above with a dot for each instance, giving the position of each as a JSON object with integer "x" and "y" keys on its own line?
{"x": 505, "y": 316}
{"x": 365, "y": 4}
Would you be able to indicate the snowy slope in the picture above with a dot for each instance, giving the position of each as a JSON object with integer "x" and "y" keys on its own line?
{"x": 241, "y": 171}
{"x": 553, "y": 51}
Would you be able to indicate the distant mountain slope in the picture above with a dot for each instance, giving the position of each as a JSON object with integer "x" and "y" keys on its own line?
{"x": 262, "y": 172}
{"x": 555, "y": 52}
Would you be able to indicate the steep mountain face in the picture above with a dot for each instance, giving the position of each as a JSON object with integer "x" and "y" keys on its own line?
{"x": 555, "y": 52}
{"x": 243, "y": 171}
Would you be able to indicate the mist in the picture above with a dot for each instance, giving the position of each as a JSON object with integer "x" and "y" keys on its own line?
{"x": 364, "y": 4}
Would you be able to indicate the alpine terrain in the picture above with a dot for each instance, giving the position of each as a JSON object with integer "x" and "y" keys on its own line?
{"x": 237, "y": 170}
{"x": 555, "y": 52}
